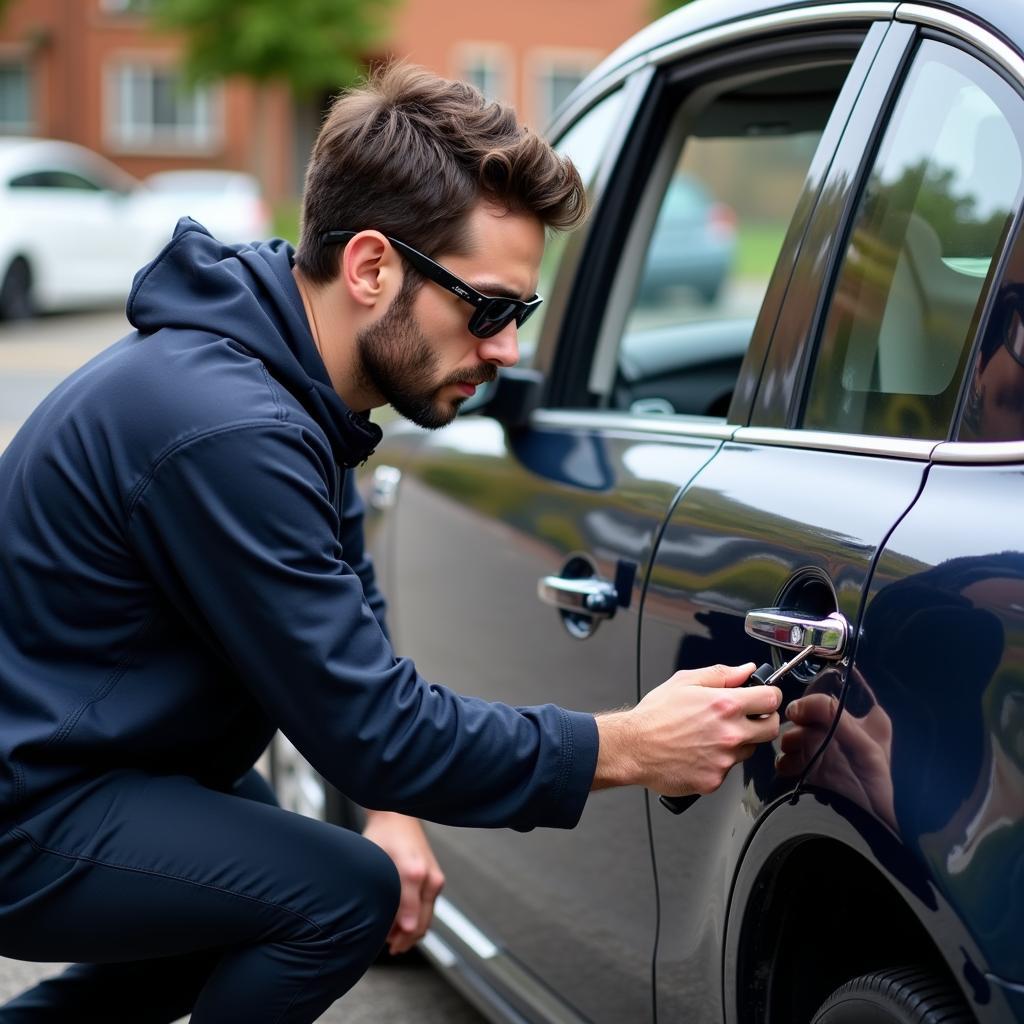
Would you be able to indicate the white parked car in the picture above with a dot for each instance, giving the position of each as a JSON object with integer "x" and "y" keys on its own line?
{"x": 229, "y": 204}
{"x": 74, "y": 228}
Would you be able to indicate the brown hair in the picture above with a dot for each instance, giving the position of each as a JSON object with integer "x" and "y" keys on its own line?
{"x": 409, "y": 154}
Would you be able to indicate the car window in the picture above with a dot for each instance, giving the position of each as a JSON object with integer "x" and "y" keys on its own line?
{"x": 585, "y": 142}
{"x": 925, "y": 237}
{"x": 55, "y": 180}
{"x": 707, "y": 235}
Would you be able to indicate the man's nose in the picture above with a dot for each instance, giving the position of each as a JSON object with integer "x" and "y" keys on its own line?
{"x": 503, "y": 348}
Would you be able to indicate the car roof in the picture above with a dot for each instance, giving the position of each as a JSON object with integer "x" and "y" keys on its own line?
{"x": 17, "y": 150}
{"x": 1005, "y": 19}
{"x": 19, "y": 153}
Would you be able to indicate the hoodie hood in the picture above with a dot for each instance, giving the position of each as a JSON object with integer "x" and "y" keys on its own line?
{"x": 247, "y": 293}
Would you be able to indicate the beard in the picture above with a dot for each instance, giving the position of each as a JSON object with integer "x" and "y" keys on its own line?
{"x": 396, "y": 359}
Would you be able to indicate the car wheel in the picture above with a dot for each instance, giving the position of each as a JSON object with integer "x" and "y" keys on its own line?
{"x": 908, "y": 995}
{"x": 301, "y": 788}
{"x": 16, "y": 291}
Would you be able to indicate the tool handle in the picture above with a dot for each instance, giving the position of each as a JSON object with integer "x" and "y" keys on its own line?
{"x": 678, "y": 804}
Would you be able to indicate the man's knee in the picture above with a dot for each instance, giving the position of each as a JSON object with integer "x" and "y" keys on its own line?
{"x": 366, "y": 892}
{"x": 384, "y": 887}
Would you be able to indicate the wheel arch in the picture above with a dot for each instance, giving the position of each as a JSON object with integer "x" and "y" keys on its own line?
{"x": 824, "y": 893}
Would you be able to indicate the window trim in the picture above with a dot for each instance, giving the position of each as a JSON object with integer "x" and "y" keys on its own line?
{"x": 966, "y": 31}
{"x": 943, "y": 452}
{"x": 604, "y": 78}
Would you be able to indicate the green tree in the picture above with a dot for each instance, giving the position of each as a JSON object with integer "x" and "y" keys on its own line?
{"x": 661, "y": 7}
{"x": 312, "y": 45}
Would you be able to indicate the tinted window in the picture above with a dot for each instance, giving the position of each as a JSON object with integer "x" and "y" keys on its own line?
{"x": 928, "y": 228}
{"x": 55, "y": 179}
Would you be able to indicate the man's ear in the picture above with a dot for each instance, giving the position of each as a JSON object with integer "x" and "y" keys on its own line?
{"x": 371, "y": 269}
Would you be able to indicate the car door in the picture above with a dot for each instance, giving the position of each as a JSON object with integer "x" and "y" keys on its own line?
{"x": 640, "y": 373}
{"x": 859, "y": 389}
{"x": 937, "y": 689}
{"x": 482, "y": 516}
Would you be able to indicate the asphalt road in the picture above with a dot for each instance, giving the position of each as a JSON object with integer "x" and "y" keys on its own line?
{"x": 34, "y": 357}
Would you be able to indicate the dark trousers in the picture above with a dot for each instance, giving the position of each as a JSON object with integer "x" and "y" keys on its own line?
{"x": 172, "y": 898}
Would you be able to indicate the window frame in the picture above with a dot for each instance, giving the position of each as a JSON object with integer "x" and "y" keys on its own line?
{"x": 775, "y": 425}
{"x": 591, "y": 318}
{"x": 993, "y": 277}
{"x": 119, "y": 131}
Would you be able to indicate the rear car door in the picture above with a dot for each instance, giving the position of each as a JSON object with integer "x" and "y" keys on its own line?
{"x": 659, "y": 312}
{"x": 859, "y": 389}
{"x": 937, "y": 689}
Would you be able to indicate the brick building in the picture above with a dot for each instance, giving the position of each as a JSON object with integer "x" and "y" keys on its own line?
{"x": 95, "y": 72}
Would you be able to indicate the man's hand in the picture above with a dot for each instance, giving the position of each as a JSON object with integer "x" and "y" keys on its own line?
{"x": 686, "y": 734}
{"x": 403, "y": 840}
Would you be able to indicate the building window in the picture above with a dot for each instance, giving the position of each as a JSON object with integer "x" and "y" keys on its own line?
{"x": 15, "y": 98}
{"x": 555, "y": 76}
{"x": 486, "y": 67}
{"x": 150, "y": 108}
{"x": 126, "y": 6}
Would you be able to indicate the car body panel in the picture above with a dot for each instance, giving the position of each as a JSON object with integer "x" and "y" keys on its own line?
{"x": 723, "y": 514}
{"x": 488, "y": 504}
{"x": 754, "y": 518}
{"x": 948, "y": 687}
{"x": 837, "y": 831}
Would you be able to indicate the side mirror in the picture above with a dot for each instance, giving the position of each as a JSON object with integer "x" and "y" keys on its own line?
{"x": 510, "y": 399}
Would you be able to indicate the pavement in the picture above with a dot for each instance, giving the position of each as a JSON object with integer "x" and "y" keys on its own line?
{"x": 386, "y": 995}
{"x": 34, "y": 357}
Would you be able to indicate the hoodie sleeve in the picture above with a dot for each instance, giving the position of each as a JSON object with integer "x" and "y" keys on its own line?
{"x": 237, "y": 528}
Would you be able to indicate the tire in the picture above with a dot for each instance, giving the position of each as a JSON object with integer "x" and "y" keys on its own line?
{"x": 16, "y": 291}
{"x": 907, "y": 995}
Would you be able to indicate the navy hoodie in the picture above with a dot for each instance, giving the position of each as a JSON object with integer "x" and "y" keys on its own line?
{"x": 180, "y": 575}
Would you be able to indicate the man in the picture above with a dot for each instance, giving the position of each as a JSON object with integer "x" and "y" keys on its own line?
{"x": 183, "y": 572}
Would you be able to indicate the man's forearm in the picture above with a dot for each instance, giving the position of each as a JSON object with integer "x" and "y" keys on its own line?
{"x": 616, "y": 763}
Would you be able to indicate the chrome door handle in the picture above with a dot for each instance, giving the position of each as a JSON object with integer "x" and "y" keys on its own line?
{"x": 792, "y": 630}
{"x": 593, "y": 597}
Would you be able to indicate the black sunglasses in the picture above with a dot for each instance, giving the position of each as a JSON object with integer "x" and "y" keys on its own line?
{"x": 492, "y": 314}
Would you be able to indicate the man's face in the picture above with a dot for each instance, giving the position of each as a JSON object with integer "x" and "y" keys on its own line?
{"x": 419, "y": 356}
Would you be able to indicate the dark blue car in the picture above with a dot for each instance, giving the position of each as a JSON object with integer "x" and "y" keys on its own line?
{"x": 835, "y": 443}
